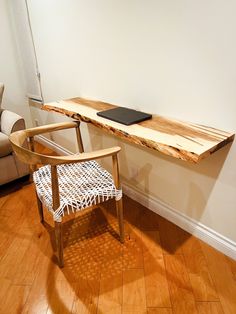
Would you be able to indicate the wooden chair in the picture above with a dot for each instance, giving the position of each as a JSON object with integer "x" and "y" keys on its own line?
{"x": 66, "y": 184}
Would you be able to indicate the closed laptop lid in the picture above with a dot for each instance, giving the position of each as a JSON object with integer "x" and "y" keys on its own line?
{"x": 124, "y": 115}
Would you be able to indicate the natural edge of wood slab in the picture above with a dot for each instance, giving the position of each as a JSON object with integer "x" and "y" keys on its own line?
{"x": 179, "y": 153}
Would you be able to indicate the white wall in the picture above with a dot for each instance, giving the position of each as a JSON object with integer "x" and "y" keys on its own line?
{"x": 11, "y": 71}
{"x": 25, "y": 47}
{"x": 175, "y": 58}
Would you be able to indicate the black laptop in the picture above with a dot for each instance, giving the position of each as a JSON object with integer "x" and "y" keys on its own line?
{"x": 124, "y": 115}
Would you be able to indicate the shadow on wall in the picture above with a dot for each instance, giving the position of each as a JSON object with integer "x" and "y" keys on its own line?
{"x": 95, "y": 137}
{"x": 184, "y": 186}
{"x": 201, "y": 179}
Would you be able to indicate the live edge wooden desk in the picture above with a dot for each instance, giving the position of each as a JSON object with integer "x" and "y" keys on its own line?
{"x": 186, "y": 141}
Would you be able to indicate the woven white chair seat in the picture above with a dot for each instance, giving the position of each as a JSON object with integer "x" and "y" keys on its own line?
{"x": 80, "y": 185}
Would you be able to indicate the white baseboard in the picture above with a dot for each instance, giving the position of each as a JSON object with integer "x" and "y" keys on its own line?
{"x": 206, "y": 234}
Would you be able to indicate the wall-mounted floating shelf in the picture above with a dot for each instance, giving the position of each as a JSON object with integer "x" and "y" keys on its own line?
{"x": 186, "y": 141}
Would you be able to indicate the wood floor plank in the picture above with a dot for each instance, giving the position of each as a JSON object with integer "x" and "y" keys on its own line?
{"x": 86, "y": 299}
{"x": 110, "y": 294}
{"x": 13, "y": 257}
{"x": 159, "y": 311}
{"x": 201, "y": 281}
{"x": 37, "y": 301}
{"x": 157, "y": 290}
{"x": 5, "y": 286}
{"x": 10, "y": 231}
{"x": 112, "y": 258}
{"x": 134, "y": 296}
{"x": 61, "y": 297}
{"x": 132, "y": 212}
{"x": 28, "y": 265}
{"x": 132, "y": 249}
{"x": 18, "y": 200}
{"x": 232, "y": 264}
{"x": 147, "y": 219}
{"x": 170, "y": 237}
{"x": 181, "y": 293}
{"x": 6, "y": 236}
{"x": 3, "y": 199}
{"x": 210, "y": 308}
{"x": 137, "y": 311}
{"x": 222, "y": 276}
{"x": 14, "y": 299}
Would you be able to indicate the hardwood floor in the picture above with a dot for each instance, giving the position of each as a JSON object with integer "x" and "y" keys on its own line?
{"x": 160, "y": 269}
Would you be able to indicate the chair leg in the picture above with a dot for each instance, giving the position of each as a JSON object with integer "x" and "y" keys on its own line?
{"x": 119, "y": 211}
{"x": 59, "y": 243}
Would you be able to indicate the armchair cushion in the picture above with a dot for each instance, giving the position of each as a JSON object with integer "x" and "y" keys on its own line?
{"x": 11, "y": 122}
{"x": 5, "y": 145}
{"x": 10, "y": 167}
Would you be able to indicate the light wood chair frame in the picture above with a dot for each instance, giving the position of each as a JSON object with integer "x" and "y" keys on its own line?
{"x": 29, "y": 156}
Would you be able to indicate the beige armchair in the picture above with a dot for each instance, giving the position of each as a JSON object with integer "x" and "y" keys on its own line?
{"x": 10, "y": 167}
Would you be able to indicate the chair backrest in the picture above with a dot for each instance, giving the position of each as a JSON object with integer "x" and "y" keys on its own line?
{"x": 29, "y": 156}
{"x": 1, "y": 92}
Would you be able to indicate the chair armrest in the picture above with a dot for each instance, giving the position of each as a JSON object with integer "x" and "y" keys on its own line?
{"x": 56, "y": 160}
{"x": 33, "y": 158}
{"x": 11, "y": 122}
{"x": 17, "y": 139}
{"x": 91, "y": 155}
{"x": 51, "y": 127}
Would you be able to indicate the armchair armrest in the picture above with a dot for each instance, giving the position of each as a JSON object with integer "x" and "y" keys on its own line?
{"x": 11, "y": 122}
